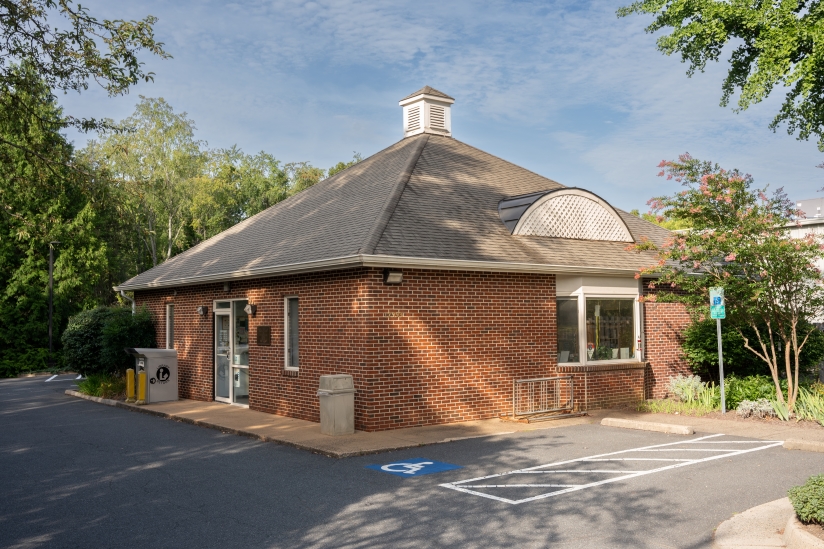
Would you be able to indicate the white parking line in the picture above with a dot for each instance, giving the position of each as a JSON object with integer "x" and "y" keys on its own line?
{"x": 467, "y": 485}
{"x": 51, "y": 378}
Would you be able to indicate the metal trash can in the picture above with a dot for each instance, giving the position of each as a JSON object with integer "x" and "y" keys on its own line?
{"x": 337, "y": 405}
{"x": 160, "y": 366}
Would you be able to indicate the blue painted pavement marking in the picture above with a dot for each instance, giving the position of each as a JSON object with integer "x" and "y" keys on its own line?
{"x": 414, "y": 467}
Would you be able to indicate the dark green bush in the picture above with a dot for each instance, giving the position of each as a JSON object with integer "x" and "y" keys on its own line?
{"x": 103, "y": 385}
{"x": 753, "y": 388}
{"x": 808, "y": 500}
{"x": 700, "y": 348}
{"x": 94, "y": 340}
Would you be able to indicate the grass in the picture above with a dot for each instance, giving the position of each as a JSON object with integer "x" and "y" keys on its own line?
{"x": 103, "y": 385}
{"x": 667, "y": 406}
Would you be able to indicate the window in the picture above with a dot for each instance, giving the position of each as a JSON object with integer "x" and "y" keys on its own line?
{"x": 291, "y": 332}
{"x": 568, "y": 339}
{"x": 170, "y": 326}
{"x": 610, "y": 325}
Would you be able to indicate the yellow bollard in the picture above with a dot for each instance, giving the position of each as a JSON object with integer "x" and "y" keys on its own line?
{"x": 130, "y": 385}
{"x": 141, "y": 388}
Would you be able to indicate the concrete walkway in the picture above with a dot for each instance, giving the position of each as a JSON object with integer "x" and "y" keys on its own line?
{"x": 306, "y": 434}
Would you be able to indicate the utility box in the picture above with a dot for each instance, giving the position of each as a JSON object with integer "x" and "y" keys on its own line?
{"x": 160, "y": 366}
{"x": 337, "y": 405}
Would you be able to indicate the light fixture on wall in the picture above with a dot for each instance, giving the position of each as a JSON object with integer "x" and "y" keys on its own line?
{"x": 226, "y": 287}
{"x": 202, "y": 310}
{"x": 250, "y": 309}
{"x": 392, "y": 277}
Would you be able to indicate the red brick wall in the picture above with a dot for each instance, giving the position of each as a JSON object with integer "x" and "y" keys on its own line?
{"x": 663, "y": 326}
{"x": 605, "y": 386}
{"x": 443, "y": 346}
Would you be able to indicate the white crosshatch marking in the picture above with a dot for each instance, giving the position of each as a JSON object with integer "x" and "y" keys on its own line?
{"x": 467, "y": 485}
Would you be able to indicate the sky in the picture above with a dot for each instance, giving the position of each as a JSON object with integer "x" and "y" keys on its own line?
{"x": 565, "y": 89}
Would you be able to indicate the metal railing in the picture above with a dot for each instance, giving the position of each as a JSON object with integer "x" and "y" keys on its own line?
{"x": 542, "y": 395}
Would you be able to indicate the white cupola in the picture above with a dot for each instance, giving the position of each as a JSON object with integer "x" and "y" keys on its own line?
{"x": 427, "y": 111}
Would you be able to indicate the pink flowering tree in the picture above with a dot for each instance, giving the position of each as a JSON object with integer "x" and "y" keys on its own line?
{"x": 740, "y": 240}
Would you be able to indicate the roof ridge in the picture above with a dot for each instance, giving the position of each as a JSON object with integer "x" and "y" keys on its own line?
{"x": 374, "y": 236}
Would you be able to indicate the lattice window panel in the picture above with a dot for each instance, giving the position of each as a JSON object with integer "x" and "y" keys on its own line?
{"x": 413, "y": 118}
{"x": 572, "y": 216}
{"x": 436, "y": 117}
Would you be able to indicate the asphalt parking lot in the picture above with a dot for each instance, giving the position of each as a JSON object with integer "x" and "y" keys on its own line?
{"x": 78, "y": 474}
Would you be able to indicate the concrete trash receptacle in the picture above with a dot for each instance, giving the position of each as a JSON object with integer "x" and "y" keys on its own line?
{"x": 160, "y": 366}
{"x": 337, "y": 405}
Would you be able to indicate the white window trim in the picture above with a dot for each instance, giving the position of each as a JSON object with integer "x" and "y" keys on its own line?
{"x": 286, "y": 366}
{"x": 582, "y": 328}
{"x": 170, "y": 331}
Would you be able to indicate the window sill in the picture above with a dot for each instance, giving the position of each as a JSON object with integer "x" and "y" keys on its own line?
{"x": 605, "y": 367}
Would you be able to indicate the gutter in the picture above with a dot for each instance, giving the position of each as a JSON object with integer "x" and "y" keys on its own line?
{"x": 123, "y": 294}
{"x": 368, "y": 260}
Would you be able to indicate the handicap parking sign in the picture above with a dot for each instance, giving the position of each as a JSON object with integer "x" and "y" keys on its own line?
{"x": 414, "y": 467}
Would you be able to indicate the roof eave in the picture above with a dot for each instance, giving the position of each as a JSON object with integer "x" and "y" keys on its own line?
{"x": 389, "y": 261}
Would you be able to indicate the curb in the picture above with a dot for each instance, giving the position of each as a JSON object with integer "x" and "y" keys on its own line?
{"x": 240, "y": 432}
{"x": 806, "y": 445}
{"x": 797, "y": 538}
{"x": 647, "y": 426}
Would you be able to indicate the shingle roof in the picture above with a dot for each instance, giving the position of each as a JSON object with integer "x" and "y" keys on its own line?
{"x": 426, "y": 198}
{"x": 429, "y": 91}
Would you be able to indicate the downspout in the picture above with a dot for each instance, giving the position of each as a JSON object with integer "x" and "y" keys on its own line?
{"x": 123, "y": 294}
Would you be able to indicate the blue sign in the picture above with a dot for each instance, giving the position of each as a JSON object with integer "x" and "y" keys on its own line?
{"x": 414, "y": 467}
{"x": 717, "y": 306}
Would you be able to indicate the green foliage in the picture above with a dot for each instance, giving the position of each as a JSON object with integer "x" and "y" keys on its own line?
{"x": 739, "y": 241}
{"x": 738, "y": 389}
{"x": 340, "y": 166}
{"x": 700, "y": 349}
{"x": 761, "y": 408}
{"x": 94, "y": 340}
{"x": 810, "y": 405}
{"x": 667, "y": 223}
{"x": 103, "y": 385}
{"x": 808, "y": 500}
{"x": 774, "y": 45}
{"x": 705, "y": 399}
{"x": 686, "y": 388}
{"x": 65, "y": 58}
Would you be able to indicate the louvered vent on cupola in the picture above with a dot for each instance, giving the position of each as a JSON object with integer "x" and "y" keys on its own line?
{"x": 427, "y": 111}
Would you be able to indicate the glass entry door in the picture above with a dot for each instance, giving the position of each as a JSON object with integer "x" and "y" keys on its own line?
{"x": 232, "y": 352}
{"x": 223, "y": 352}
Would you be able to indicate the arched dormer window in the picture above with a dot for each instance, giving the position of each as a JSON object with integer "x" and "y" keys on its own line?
{"x": 569, "y": 213}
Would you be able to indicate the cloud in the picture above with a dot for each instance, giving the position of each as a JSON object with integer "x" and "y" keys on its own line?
{"x": 564, "y": 88}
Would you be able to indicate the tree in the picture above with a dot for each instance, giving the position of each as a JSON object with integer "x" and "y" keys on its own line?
{"x": 340, "y": 166}
{"x": 155, "y": 164}
{"x": 65, "y": 59}
{"x": 774, "y": 44}
{"x": 45, "y": 195}
{"x": 739, "y": 241}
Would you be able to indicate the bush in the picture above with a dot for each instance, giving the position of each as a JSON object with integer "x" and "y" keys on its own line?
{"x": 756, "y": 408}
{"x": 686, "y": 388}
{"x": 103, "y": 385}
{"x": 808, "y": 500}
{"x": 94, "y": 340}
{"x": 753, "y": 388}
{"x": 700, "y": 349}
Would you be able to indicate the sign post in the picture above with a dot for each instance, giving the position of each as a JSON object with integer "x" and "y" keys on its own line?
{"x": 718, "y": 311}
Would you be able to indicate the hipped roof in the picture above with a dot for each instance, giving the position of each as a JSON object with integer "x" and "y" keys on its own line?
{"x": 427, "y": 201}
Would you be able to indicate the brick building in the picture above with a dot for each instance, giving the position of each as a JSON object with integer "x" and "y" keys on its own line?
{"x": 432, "y": 272}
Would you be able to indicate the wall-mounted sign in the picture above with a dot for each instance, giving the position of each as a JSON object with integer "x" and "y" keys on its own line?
{"x": 264, "y": 336}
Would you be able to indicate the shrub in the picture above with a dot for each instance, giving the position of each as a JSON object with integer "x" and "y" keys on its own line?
{"x": 808, "y": 500}
{"x": 103, "y": 385}
{"x": 753, "y": 388}
{"x": 686, "y": 388}
{"x": 810, "y": 405}
{"x": 756, "y": 408}
{"x": 94, "y": 340}
{"x": 700, "y": 349}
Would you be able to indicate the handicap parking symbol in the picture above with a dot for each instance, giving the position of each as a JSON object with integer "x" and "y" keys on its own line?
{"x": 414, "y": 467}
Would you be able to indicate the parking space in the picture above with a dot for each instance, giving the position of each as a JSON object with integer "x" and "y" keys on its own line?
{"x": 72, "y": 470}
{"x": 562, "y": 477}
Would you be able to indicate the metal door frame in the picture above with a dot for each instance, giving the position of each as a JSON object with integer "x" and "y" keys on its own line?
{"x": 226, "y": 313}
